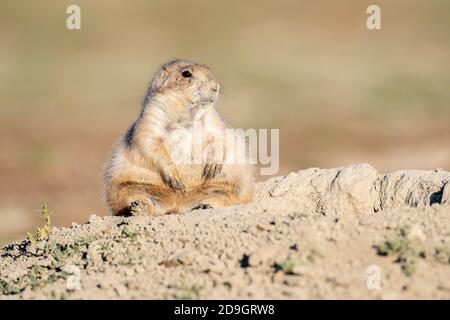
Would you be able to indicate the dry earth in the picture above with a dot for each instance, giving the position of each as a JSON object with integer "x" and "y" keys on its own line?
{"x": 311, "y": 234}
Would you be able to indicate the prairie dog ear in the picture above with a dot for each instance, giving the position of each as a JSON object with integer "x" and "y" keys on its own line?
{"x": 159, "y": 79}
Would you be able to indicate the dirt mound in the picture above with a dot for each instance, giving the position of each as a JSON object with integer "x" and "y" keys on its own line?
{"x": 338, "y": 233}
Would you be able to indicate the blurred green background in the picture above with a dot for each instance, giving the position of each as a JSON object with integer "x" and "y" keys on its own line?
{"x": 338, "y": 92}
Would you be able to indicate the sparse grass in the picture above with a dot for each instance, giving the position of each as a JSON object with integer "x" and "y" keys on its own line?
{"x": 7, "y": 288}
{"x": 54, "y": 296}
{"x": 40, "y": 276}
{"x": 130, "y": 258}
{"x": 313, "y": 255}
{"x": 391, "y": 247}
{"x": 44, "y": 231}
{"x": 37, "y": 275}
{"x": 130, "y": 234}
{"x": 123, "y": 255}
{"x": 442, "y": 254}
{"x": 60, "y": 252}
{"x": 286, "y": 266}
{"x": 189, "y": 292}
{"x": 406, "y": 252}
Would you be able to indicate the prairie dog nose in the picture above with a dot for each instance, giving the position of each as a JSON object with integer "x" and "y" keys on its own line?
{"x": 215, "y": 87}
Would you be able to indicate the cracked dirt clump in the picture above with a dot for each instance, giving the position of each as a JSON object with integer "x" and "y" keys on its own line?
{"x": 311, "y": 234}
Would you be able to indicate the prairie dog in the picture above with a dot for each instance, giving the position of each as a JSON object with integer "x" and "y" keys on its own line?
{"x": 140, "y": 176}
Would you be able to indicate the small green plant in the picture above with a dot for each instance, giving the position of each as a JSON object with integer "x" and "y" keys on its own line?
{"x": 38, "y": 276}
{"x": 406, "y": 251}
{"x": 130, "y": 234}
{"x": 61, "y": 252}
{"x": 313, "y": 255}
{"x": 442, "y": 254}
{"x": 7, "y": 288}
{"x": 407, "y": 260}
{"x": 189, "y": 292}
{"x": 391, "y": 247}
{"x": 286, "y": 266}
{"x": 54, "y": 296}
{"x": 44, "y": 231}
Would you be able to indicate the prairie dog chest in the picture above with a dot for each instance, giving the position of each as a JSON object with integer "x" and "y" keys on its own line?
{"x": 191, "y": 137}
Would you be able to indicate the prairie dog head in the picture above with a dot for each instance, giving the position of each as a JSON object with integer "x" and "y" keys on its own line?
{"x": 188, "y": 80}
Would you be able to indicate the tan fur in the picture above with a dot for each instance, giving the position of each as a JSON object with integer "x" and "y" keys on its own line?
{"x": 140, "y": 176}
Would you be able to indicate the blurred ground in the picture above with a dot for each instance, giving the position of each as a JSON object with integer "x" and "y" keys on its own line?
{"x": 339, "y": 93}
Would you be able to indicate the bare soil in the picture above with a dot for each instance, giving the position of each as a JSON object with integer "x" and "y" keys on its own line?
{"x": 312, "y": 234}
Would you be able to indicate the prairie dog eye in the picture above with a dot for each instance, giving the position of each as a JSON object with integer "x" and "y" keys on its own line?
{"x": 186, "y": 74}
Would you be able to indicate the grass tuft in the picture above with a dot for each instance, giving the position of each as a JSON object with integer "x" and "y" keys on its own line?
{"x": 406, "y": 252}
{"x": 44, "y": 231}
